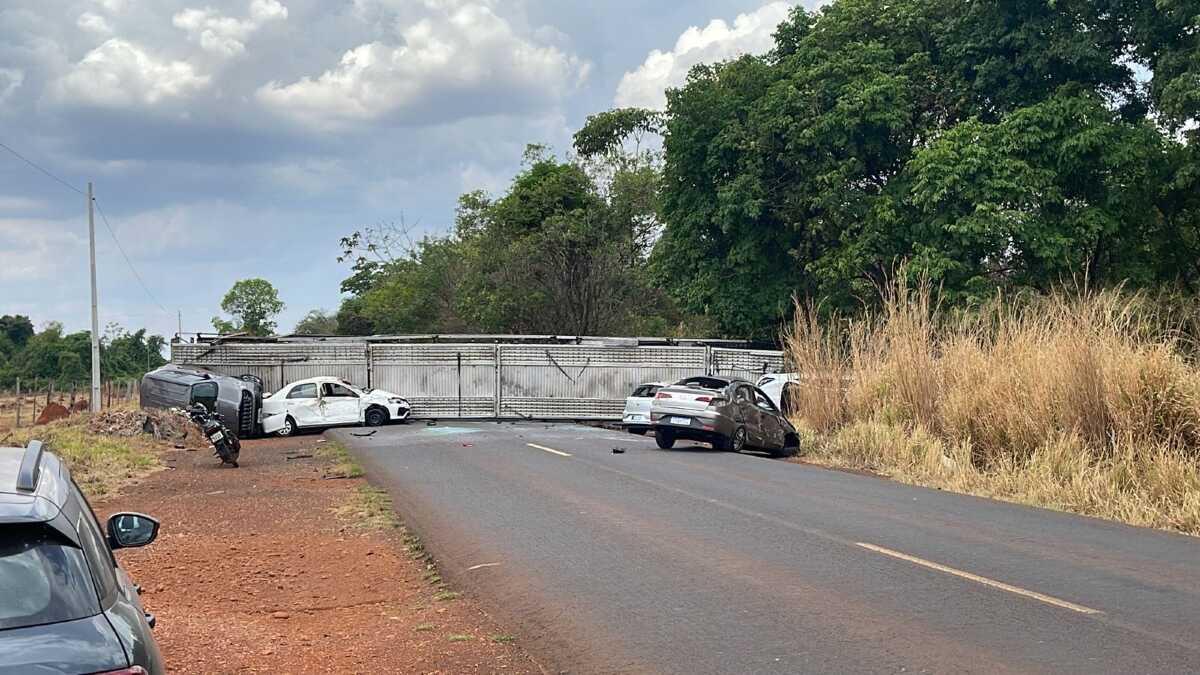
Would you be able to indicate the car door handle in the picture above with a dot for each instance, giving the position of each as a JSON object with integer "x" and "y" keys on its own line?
{"x": 150, "y": 620}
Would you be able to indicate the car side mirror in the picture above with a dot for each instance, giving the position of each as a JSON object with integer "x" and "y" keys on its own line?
{"x": 131, "y": 530}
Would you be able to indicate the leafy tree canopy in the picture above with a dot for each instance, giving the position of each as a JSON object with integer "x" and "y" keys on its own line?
{"x": 317, "y": 322}
{"x": 254, "y": 304}
{"x": 990, "y": 143}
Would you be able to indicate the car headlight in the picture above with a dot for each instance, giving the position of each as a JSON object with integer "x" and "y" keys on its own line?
{"x": 397, "y": 400}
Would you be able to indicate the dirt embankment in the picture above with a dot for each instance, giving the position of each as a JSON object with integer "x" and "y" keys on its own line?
{"x": 274, "y": 568}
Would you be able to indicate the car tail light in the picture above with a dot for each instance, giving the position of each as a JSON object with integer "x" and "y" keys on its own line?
{"x": 134, "y": 670}
{"x": 663, "y": 394}
{"x": 704, "y": 399}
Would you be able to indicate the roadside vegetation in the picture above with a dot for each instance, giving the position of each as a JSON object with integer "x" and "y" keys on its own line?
{"x": 369, "y": 509}
{"x": 343, "y": 465}
{"x": 39, "y": 357}
{"x": 101, "y": 464}
{"x": 1079, "y": 401}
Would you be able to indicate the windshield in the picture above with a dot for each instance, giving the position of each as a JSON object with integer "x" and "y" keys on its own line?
{"x": 43, "y": 579}
{"x": 703, "y": 383}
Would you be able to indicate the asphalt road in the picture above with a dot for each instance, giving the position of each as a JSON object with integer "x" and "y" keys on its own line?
{"x": 697, "y": 561}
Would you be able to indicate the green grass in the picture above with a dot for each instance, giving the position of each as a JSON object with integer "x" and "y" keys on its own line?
{"x": 461, "y": 638}
{"x": 425, "y": 627}
{"x": 369, "y": 509}
{"x": 504, "y": 639}
{"x": 445, "y": 596}
{"x": 343, "y": 465}
{"x": 99, "y": 464}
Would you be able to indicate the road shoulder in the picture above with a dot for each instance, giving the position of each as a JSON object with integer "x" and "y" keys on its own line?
{"x": 275, "y": 567}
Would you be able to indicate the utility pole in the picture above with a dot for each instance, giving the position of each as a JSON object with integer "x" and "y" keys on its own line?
{"x": 95, "y": 402}
{"x": 179, "y": 332}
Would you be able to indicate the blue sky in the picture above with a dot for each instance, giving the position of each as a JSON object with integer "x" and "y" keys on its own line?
{"x": 238, "y": 138}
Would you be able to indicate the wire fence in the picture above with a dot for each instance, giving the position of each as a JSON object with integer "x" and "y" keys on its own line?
{"x": 27, "y": 403}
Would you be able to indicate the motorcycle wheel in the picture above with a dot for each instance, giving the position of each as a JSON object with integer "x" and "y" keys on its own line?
{"x": 227, "y": 454}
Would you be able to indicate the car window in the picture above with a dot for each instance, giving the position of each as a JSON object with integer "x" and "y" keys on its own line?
{"x": 337, "y": 391}
{"x": 95, "y": 548}
{"x": 43, "y": 578}
{"x": 703, "y": 383}
{"x": 741, "y": 395}
{"x": 303, "y": 391}
{"x": 205, "y": 393}
{"x": 764, "y": 401}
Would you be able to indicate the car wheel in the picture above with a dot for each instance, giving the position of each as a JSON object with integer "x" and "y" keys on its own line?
{"x": 737, "y": 442}
{"x": 289, "y": 427}
{"x": 791, "y": 447}
{"x": 638, "y": 432}
{"x": 664, "y": 438}
{"x": 376, "y": 417}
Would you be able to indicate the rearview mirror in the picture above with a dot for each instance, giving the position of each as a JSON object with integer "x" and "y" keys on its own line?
{"x": 131, "y": 530}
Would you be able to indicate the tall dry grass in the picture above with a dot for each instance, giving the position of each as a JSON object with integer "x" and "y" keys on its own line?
{"x": 1080, "y": 401}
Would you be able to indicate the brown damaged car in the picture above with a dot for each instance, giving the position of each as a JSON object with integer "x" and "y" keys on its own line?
{"x": 730, "y": 414}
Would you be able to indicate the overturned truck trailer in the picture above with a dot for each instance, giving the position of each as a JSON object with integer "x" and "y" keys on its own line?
{"x": 484, "y": 377}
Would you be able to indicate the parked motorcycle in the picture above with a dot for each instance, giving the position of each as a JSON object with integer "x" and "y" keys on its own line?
{"x": 225, "y": 444}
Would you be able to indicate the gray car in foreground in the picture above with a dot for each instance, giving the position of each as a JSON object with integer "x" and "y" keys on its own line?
{"x": 730, "y": 414}
{"x": 65, "y": 604}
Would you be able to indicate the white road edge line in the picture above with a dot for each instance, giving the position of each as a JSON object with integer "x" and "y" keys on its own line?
{"x": 981, "y": 580}
{"x": 550, "y": 450}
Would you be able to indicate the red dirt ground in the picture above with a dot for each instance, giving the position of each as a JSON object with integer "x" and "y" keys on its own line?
{"x": 254, "y": 573}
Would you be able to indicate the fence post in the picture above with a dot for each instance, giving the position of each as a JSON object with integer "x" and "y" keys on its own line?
{"x": 49, "y": 391}
{"x": 370, "y": 365}
{"x": 18, "y": 422}
{"x": 498, "y": 403}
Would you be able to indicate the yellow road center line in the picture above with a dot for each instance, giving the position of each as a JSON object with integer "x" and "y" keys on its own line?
{"x": 981, "y": 580}
{"x": 550, "y": 450}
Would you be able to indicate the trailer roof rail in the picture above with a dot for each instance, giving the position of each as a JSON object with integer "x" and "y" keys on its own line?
{"x": 31, "y": 467}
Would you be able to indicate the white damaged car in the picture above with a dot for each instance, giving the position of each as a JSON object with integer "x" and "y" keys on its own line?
{"x": 321, "y": 402}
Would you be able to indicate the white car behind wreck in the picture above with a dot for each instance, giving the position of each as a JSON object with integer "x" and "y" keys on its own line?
{"x": 321, "y": 402}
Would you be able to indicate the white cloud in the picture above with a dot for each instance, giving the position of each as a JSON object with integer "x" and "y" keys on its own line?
{"x": 36, "y": 249}
{"x": 463, "y": 48}
{"x": 718, "y": 41}
{"x": 11, "y": 203}
{"x": 120, "y": 73}
{"x": 94, "y": 23}
{"x": 10, "y": 80}
{"x": 113, "y": 6}
{"x": 225, "y": 35}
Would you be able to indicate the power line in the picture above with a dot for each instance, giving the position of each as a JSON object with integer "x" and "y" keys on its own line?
{"x": 125, "y": 255}
{"x": 30, "y": 162}
{"x": 104, "y": 218}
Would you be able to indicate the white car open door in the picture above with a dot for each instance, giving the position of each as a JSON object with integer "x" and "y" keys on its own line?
{"x": 340, "y": 405}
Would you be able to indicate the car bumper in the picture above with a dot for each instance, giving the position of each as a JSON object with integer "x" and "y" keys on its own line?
{"x": 398, "y": 411}
{"x": 693, "y": 425}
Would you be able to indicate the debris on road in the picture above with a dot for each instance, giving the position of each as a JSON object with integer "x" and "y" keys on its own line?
{"x": 618, "y": 451}
{"x": 364, "y": 435}
{"x": 164, "y": 425}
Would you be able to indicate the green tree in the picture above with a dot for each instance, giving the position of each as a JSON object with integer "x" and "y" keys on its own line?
{"x": 253, "y": 304}
{"x": 317, "y": 322}
{"x": 16, "y": 330}
{"x": 563, "y": 251}
{"x": 990, "y": 143}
